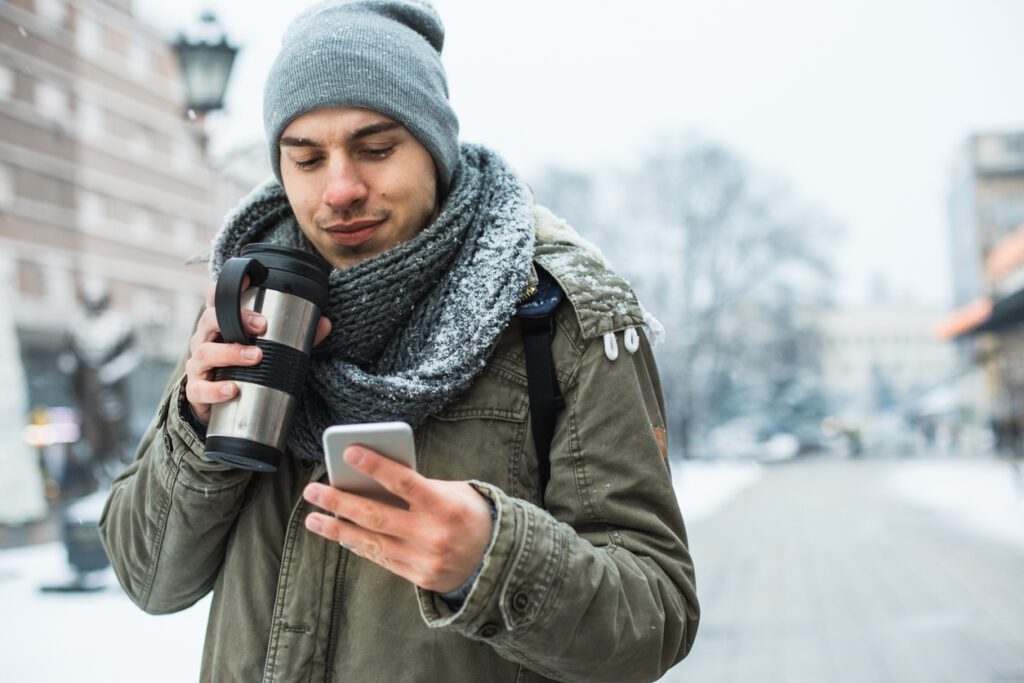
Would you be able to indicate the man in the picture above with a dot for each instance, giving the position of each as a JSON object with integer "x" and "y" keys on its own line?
{"x": 435, "y": 245}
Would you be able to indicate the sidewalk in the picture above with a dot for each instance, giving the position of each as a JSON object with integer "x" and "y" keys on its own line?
{"x": 820, "y": 572}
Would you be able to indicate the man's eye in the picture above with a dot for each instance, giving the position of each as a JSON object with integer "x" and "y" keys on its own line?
{"x": 378, "y": 152}
{"x": 306, "y": 163}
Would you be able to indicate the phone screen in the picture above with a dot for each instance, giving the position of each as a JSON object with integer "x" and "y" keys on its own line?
{"x": 391, "y": 439}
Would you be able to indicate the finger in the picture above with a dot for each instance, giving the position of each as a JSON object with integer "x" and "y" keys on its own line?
{"x": 386, "y": 551}
{"x": 396, "y": 478}
{"x": 210, "y": 355}
{"x": 208, "y": 329}
{"x": 414, "y": 564}
{"x": 323, "y": 328}
{"x": 200, "y": 392}
{"x": 367, "y": 514}
{"x": 256, "y": 323}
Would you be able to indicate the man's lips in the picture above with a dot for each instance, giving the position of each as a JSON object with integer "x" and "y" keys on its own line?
{"x": 356, "y": 232}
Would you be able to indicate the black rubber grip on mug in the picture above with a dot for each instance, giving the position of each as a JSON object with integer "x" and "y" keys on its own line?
{"x": 228, "y": 298}
{"x": 283, "y": 368}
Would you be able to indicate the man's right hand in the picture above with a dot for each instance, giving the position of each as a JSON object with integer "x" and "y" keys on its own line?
{"x": 209, "y": 351}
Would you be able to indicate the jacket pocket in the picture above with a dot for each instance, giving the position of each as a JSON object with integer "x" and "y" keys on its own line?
{"x": 479, "y": 436}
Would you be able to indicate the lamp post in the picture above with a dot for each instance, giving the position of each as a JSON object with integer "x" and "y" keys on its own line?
{"x": 206, "y": 59}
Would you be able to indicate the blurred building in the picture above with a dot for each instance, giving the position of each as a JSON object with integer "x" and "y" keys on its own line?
{"x": 986, "y": 204}
{"x": 882, "y": 358}
{"x": 101, "y": 176}
{"x": 987, "y": 220}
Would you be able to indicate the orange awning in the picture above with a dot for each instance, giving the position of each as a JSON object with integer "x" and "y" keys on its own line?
{"x": 965, "y": 319}
{"x": 1006, "y": 256}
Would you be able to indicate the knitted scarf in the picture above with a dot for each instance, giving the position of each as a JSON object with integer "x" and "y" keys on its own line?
{"x": 413, "y": 326}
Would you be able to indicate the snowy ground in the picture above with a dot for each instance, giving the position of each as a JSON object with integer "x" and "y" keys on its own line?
{"x": 704, "y": 487}
{"x": 102, "y": 636}
{"x": 97, "y": 636}
{"x": 980, "y": 495}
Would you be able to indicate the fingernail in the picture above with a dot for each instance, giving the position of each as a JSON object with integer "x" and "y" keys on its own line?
{"x": 250, "y": 353}
{"x": 314, "y": 524}
{"x": 256, "y": 320}
{"x": 312, "y": 494}
{"x": 227, "y": 390}
{"x": 353, "y": 456}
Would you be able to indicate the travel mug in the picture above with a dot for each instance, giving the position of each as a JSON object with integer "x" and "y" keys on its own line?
{"x": 290, "y": 288}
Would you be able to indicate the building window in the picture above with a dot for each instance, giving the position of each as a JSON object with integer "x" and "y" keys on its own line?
{"x": 90, "y": 119}
{"x": 6, "y": 186}
{"x": 88, "y": 34}
{"x": 163, "y": 64}
{"x": 6, "y": 82}
{"x": 143, "y": 224}
{"x": 92, "y": 210}
{"x": 53, "y": 12}
{"x": 51, "y": 99}
{"x": 141, "y": 141}
{"x": 31, "y": 280}
{"x": 184, "y": 152}
{"x": 115, "y": 41}
{"x": 140, "y": 58}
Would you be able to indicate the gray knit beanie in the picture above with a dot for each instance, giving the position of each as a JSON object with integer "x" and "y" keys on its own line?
{"x": 382, "y": 55}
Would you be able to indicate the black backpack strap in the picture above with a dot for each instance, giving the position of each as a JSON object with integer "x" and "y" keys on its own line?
{"x": 537, "y": 317}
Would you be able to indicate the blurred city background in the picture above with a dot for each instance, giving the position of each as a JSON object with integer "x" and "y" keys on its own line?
{"x": 823, "y": 204}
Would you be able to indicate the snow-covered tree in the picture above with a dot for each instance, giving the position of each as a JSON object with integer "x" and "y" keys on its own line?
{"x": 732, "y": 264}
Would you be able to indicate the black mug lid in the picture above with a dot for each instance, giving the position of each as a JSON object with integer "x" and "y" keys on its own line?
{"x": 296, "y": 261}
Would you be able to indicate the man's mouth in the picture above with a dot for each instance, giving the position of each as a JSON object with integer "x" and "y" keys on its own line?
{"x": 354, "y": 232}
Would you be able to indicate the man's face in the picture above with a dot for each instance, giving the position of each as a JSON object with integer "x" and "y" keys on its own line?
{"x": 358, "y": 182}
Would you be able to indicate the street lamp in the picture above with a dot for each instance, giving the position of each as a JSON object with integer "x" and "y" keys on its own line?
{"x": 206, "y": 59}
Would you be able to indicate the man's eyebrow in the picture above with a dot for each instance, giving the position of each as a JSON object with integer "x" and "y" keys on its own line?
{"x": 373, "y": 129}
{"x": 365, "y": 131}
{"x": 298, "y": 142}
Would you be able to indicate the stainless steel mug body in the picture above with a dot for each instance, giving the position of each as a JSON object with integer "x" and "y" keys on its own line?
{"x": 289, "y": 287}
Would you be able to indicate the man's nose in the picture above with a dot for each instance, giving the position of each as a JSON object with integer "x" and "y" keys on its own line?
{"x": 345, "y": 185}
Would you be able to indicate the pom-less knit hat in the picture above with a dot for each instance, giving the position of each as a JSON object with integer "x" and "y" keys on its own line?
{"x": 382, "y": 55}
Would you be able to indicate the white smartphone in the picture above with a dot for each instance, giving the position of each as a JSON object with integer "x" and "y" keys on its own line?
{"x": 391, "y": 439}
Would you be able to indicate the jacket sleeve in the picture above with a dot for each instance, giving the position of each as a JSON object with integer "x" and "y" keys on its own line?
{"x": 600, "y": 586}
{"x": 167, "y": 519}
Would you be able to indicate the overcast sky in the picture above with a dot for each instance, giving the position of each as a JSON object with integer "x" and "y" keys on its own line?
{"x": 860, "y": 107}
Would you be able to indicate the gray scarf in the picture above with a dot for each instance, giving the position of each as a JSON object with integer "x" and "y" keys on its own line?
{"x": 413, "y": 326}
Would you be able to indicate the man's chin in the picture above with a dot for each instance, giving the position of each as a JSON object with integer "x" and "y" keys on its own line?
{"x": 342, "y": 257}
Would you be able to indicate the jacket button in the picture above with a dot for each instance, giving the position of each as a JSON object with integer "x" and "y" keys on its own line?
{"x": 520, "y": 601}
{"x": 488, "y": 630}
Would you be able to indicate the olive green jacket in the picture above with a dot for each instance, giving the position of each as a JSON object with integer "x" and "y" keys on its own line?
{"x": 599, "y": 585}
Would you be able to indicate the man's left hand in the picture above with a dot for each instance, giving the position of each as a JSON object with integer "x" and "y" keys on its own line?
{"x": 436, "y": 544}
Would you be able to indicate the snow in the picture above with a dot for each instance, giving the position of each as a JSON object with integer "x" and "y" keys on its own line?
{"x": 73, "y": 636}
{"x": 89, "y": 508}
{"x": 704, "y": 487}
{"x": 981, "y": 496}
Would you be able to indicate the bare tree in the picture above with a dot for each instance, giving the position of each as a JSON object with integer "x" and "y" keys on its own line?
{"x": 732, "y": 265}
